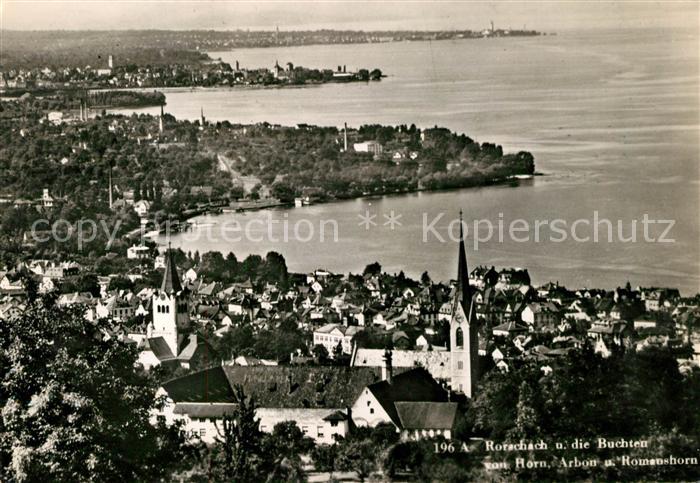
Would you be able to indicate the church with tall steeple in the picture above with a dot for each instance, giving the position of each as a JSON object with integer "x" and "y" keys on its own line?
{"x": 464, "y": 339}
{"x": 170, "y": 336}
{"x": 458, "y": 367}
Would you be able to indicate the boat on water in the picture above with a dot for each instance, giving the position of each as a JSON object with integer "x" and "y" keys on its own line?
{"x": 523, "y": 176}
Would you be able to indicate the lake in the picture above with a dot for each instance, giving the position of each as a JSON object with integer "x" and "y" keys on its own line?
{"x": 612, "y": 118}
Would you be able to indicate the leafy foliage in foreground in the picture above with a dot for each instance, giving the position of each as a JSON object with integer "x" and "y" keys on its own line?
{"x": 74, "y": 407}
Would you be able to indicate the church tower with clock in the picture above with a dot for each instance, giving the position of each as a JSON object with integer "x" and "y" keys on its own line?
{"x": 464, "y": 339}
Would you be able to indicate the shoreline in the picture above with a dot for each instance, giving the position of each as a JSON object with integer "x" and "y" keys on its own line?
{"x": 268, "y": 204}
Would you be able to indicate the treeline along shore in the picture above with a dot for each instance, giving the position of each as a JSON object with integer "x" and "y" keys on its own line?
{"x": 102, "y": 165}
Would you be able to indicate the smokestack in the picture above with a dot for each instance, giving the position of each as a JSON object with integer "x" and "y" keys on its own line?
{"x": 343, "y": 69}
{"x": 387, "y": 369}
{"x": 161, "y": 110}
{"x": 110, "y": 185}
{"x": 345, "y": 137}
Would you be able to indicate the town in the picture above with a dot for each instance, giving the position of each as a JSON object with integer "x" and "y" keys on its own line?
{"x": 210, "y": 73}
{"x": 329, "y": 353}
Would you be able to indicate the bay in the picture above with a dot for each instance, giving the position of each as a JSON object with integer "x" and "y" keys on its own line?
{"x": 612, "y": 118}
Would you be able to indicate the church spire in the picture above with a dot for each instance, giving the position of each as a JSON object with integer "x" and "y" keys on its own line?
{"x": 463, "y": 294}
{"x": 171, "y": 281}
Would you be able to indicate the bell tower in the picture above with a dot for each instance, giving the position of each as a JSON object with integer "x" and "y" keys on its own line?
{"x": 464, "y": 341}
{"x": 171, "y": 311}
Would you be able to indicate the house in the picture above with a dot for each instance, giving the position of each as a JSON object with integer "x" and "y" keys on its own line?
{"x": 59, "y": 271}
{"x": 46, "y": 199}
{"x": 509, "y": 329}
{"x": 378, "y": 402}
{"x": 512, "y": 278}
{"x": 539, "y": 315}
{"x": 137, "y": 252}
{"x": 368, "y": 147}
{"x": 645, "y": 323}
{"x": 330, "y": 335}
{"x": 142, "y": 207}
{"x": 608, "y": 331}
{"x": 115, "y": 308}
{"x": 316, "y": 398}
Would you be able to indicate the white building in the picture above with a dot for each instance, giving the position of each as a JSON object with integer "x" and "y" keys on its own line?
{"x": 316, "y": 399}
{"x": 330, "y": 335}
{"x": 137, "y": 252}
{"x": 368, "y": 147}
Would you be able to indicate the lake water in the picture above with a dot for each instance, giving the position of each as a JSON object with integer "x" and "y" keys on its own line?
{"x": 612, "y": 118}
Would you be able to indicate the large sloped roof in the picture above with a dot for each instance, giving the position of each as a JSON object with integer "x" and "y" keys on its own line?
{"x": 302, "y": 386}
{"x": 415, "y": 385}
{"x": 209, "y": 385}
{"x": 426, "y": 415}
{"x": 275, "y": 386}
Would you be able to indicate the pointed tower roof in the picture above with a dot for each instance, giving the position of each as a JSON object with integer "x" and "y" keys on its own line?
{"x": 463, "y": 293}
{"x": 171, "y": 280}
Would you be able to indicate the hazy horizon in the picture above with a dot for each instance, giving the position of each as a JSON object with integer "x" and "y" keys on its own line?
{"x": 97, "y": 15}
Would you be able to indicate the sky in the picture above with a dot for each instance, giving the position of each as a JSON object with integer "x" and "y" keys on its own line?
{"x": 356, "y": 15}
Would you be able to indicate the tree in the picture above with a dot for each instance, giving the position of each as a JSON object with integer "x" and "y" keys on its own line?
{"x": 120, "y": 283}
{"x": 240, "y": 442}
{"x": 325, "y": 458}
{"x": 338, "y": 351}
{"x": 372, "y": 269}
{"x": 320, "y": 353}
{"x": 75, "y": 408}
{"x": 359, "y": 456}
{"x": 283, "y": 191}
{"x": 425, "y": 278}
{"x": 289, "y": 441}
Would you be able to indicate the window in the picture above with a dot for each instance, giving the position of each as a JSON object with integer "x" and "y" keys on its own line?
{"x": 459, "y": 337}
{"x": 334, "y": 424}
{"x": 368, "y": 403}
{"x": 371, "y": 410}
{"x": 202, "y": 432}
{"x": 319, "y": 431}
{"x": 305, "y": 429}
{"x": 460, "y": 365}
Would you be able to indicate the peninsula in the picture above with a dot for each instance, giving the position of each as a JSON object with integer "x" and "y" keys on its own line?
{"x": 154, "y": 168}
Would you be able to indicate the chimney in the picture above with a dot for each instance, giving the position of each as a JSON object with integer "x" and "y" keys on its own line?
{"x": 387, "y": 370}
{"x": 237, "y": 67}
{"x": 343, "y": 69}
{"x": 345, "y": 137}
{"x": 110, "y": 185}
